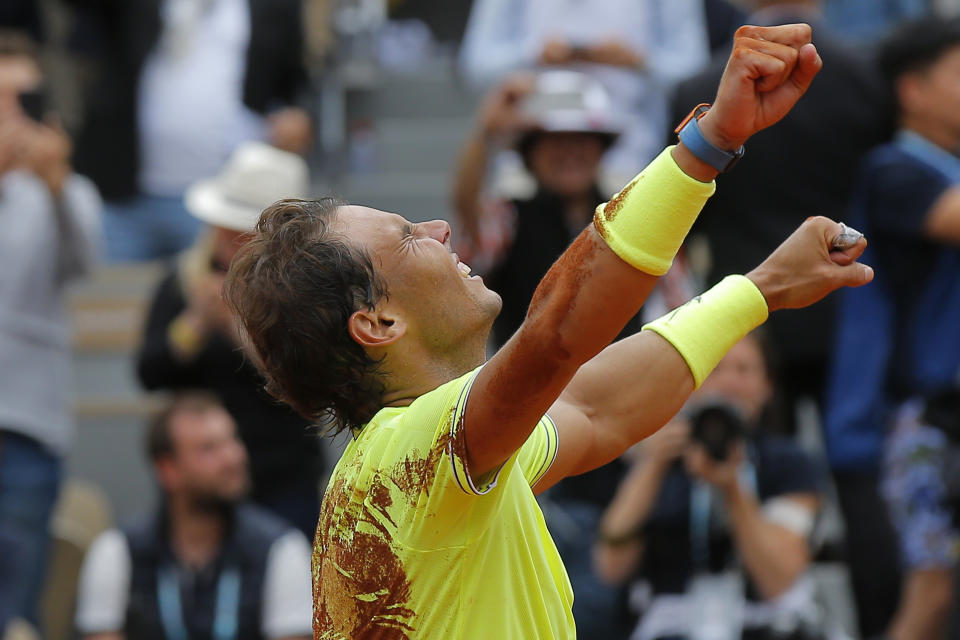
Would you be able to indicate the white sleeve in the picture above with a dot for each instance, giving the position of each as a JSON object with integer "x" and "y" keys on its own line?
{"x": 104, "y": 588}
{"x": 287, "y": 593}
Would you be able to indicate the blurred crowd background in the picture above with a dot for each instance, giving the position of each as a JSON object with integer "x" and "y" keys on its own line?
{"x": 150, "y": 488}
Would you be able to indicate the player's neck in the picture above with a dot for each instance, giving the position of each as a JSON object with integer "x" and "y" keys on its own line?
{"x": 416, "y": 370}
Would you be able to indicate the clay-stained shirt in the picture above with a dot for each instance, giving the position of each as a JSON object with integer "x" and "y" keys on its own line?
{"x": 408, "y": 546}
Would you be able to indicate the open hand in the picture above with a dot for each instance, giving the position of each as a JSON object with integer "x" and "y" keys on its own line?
{"x": 769, "y": 69}
{"x": 804, "y": 268}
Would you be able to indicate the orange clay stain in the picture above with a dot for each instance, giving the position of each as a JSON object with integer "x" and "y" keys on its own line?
{"x": 607, "y": 212}
{"x": 536, "y": 355}
{"x": 360, "y": 587}
{"x": 417, "y": 472}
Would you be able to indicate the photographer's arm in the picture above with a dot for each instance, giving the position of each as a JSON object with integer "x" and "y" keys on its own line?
{"x": 498, "y": 119}
{"x": 619, "y": 547}
{"x": 773, "y": 555}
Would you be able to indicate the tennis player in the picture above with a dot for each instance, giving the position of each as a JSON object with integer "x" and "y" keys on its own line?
{"x": 429, "y": 527}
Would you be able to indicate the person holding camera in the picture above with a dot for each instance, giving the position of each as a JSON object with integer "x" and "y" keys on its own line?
{"x": 51, "y": 225}
{"x": 715, "y": 516}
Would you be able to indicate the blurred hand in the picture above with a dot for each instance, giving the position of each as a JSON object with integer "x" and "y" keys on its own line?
{"x": 667, "y": 444}
{"x": 206, "y": 307}
{"x": 43, "y": 149}
{"x": 723, "y": 475}
{"x": 500, "y": 114}
{"x": 556, "y": 52}
{"x": 615, "y": 54}
{"x": 769, "y": 69}
{"x": 803, "y": 269}
{"x": 291, "y": 130}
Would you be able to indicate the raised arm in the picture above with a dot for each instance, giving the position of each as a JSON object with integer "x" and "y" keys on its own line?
{"x": 498, "y": 118}
{"x": 601, "y": 281}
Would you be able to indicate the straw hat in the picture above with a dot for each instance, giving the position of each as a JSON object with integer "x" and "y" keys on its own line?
{"x": 255, "y": 176}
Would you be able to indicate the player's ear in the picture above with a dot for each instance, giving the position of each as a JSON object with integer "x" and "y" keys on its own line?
{"x": 372, "y": 328}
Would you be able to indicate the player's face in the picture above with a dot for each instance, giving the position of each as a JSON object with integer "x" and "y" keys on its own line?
{"x": 440, "y": 300}
{"x": 566, "y": 163}
{"x": 742, "y": 378}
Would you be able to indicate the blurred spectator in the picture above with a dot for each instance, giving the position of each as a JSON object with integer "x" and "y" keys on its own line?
{"x": 181, "y": 84}
{"x": 722, "y": 19}
{"x": 904, "y": 342}
{"x": 51, "y": 231}
{"x": 205, "y": 564}
{"x": 636, "y": 48}
{"x": 191, "y": 340}
{"x": 716, "y": 515}
{"x": 844, "y": 114}
{"x": 561, "y": 123}
{"x": 868, "y": 20}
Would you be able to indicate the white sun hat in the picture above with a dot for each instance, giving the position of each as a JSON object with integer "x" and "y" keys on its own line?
{"x": 255, "y": 176}
{"x": 571, "y": 101}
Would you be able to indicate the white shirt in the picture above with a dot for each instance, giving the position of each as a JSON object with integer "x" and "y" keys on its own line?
{"x": 191, "y": 114}
{"x": 104, "y": 588}
{"x": 671, "y": 35}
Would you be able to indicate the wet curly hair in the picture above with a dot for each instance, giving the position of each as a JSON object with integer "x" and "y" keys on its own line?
{"x": 294, "y": 286}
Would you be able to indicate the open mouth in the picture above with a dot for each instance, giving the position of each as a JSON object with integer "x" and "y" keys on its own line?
{"x": 462, "y": 267}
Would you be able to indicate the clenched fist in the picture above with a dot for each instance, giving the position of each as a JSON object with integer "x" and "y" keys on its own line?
{"x": 805, "y": 268}
{"x": 769, "y": 69}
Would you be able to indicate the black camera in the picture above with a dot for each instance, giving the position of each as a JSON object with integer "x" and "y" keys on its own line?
{"x": 717, "y": 426}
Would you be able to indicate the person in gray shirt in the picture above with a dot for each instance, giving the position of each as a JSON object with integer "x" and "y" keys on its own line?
{"x": 51, "y": 223}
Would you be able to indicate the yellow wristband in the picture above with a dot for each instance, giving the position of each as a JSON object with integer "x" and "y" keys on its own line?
{"x": 646, "y": 222}
{"x": 707, "y": 327}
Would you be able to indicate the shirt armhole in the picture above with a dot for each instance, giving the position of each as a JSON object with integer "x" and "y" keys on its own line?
{"x": 456, "y": 449}
{"x": 539, "y": 452}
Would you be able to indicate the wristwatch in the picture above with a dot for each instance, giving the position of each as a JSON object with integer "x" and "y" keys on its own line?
{"x": 703, "y": 149}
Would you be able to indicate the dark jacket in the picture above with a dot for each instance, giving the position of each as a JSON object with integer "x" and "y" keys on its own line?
{"x": 108, "y": 144}
{"x": 804, "y": 165}
{"x": 246, "y": 550}
{"x": 283, "y": 452}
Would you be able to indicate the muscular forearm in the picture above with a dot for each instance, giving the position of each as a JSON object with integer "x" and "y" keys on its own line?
{"x": 773, "y": 556}
{"x": 581, "y": 305}
{"x": 468, "y": 184}
{"x": 629, "y": 390}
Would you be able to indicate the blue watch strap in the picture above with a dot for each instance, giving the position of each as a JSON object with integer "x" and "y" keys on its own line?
{"x": 693, "y": 139}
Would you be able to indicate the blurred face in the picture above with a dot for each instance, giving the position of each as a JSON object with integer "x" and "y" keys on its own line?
{"x": 18, "y": 74}
{"x": 209, "y": 463}
{"x": 742, "y": 379}
{"x": 441, "y": 303}
{"x": 934, "y": 95}
{"x": 566, "y": 163}
{"x": 226, "y": 244}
